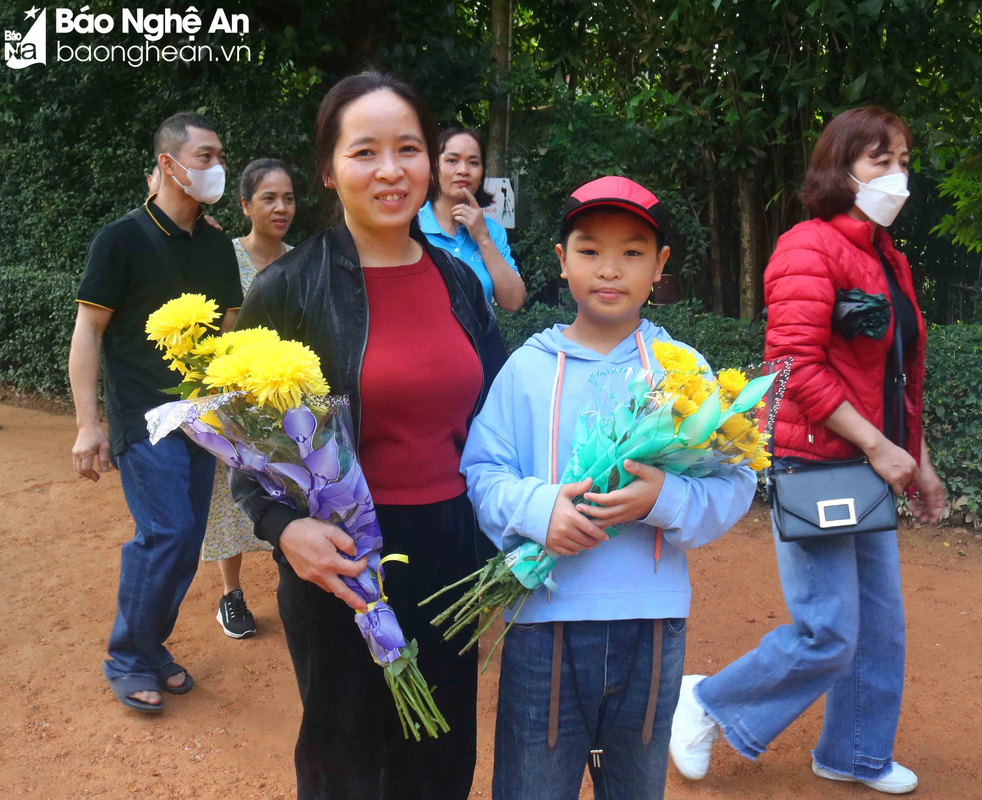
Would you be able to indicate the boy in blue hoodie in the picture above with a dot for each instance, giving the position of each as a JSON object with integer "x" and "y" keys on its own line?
{"x": 590, "y": 673}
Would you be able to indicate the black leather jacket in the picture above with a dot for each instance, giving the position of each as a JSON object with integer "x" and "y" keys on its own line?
{"x": 316, "y": 294}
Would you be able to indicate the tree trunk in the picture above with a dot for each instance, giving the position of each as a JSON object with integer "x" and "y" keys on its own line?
{"x": 500, "y": 106}
{"x": 749, "y": 279}
{"x": 715, "y": 249}
{"x": 574, "y": 75}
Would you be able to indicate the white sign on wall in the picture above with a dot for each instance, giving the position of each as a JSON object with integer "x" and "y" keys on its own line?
{"x": 502, "y": 207}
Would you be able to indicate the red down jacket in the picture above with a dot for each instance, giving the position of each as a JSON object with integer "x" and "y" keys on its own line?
{"x": 810, "y": 264}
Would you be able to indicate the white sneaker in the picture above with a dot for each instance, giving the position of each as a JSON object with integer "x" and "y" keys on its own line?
{"x": 899, "y": 780}
{"x": 693, "y": 733}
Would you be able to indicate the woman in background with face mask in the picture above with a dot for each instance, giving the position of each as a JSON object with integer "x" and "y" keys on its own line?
{"x": 846, "y": 397}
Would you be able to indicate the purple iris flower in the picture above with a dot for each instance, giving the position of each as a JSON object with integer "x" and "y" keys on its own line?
{"x": 328, "y": 492}
{"x": 251, "y": 457}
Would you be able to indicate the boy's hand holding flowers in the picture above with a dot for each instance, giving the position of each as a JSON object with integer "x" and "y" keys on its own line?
{"x": 631, "y": 503}
{"x": 569, "y": 531}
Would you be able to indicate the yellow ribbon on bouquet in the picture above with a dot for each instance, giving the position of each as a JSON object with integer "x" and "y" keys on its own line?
{"x": 391, "y": 557}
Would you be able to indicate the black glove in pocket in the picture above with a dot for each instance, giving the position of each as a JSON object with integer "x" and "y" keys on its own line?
{"x": 857, "y": 313}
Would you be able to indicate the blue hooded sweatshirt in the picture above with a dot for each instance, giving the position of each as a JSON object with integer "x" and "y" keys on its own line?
{"x": 506, "y": 462}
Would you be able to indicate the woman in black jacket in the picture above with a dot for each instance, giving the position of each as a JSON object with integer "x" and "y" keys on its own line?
{"x": 405, "y": 331}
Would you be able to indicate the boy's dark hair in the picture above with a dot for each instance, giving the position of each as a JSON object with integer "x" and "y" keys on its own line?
{"x": 327, "y": 129}
{"x": 483, "y": 196}
{"x": 256, "y": 171}
{"x": 661, "y": 235}
{"x": 828, "y": 190}
{"x": 172, "y": 134}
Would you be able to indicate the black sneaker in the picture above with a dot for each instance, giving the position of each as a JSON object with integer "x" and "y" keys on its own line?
{"x": 234, "y": 616}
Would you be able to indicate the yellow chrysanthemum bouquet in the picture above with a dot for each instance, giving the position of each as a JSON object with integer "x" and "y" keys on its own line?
{"x": 679, "y": 418}
{"x": 737, "y": 438}
{"x": 260, "y": 404}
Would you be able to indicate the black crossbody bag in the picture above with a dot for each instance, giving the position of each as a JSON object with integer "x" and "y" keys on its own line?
{"x": 810, "y": 500}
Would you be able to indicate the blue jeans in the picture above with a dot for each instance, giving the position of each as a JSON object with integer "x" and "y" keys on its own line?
{"x": 846, "y": 641}
{"x": 613, "y": 697}
{"x": 168, "y": 490}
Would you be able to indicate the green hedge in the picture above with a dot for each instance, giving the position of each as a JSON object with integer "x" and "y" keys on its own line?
{"x": 953, "y": 415}
{"x": 721, "y": 340}
{"x": 37, "y": 315}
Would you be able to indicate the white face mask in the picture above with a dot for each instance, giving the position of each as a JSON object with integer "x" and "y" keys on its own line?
{"x": 882, "y": 198}
{"x": 207, "y": 185}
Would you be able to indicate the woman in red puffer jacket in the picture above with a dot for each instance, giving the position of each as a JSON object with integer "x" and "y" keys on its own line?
{"x": 845, "y": 397}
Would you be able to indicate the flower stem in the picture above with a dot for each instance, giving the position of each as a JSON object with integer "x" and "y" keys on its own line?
{"x": 404, "y": 717}
{"x": 451, "y": 586}
{"x": 414, "y": 700}
{"x": 505, "y": 631}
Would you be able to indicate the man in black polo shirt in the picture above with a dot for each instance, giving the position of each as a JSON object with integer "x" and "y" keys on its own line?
{"x": 136, "y": 264}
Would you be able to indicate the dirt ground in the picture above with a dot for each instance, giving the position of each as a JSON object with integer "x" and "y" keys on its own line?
{"x": 62, "y": 735}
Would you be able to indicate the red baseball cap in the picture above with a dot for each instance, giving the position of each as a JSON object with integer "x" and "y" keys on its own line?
{"x": 615, "y": 192}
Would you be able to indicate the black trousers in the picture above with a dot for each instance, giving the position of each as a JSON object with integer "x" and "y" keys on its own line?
{"x": 351, "y": 745}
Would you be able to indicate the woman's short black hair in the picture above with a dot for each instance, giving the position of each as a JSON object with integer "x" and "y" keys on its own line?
{"x": 483, "y": 196}
{"x": 256, "y": 171}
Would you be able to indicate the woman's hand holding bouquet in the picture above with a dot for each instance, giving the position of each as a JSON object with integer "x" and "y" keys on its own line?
{"x": 304, "y": 543}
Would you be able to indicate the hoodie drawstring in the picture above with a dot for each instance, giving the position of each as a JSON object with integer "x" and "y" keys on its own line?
{"x": 557, "y": 631}
{"x": 557, "y": 391}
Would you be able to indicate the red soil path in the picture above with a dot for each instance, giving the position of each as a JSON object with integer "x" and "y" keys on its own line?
{"x": 63, "y": 736}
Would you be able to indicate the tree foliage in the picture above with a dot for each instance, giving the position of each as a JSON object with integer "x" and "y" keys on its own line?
{"x": 964, "y": 185}
{"x": 78, "y": 137}
{"x": 704, "y": 101}
{"x": 739, "y": 91}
